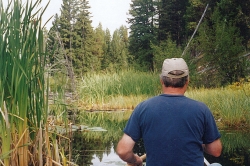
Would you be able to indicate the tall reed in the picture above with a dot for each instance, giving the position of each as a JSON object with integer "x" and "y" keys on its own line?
{"x": 117, "y": 90}
{"x": 230, "y": 105}
{"x": 23, "y": 102}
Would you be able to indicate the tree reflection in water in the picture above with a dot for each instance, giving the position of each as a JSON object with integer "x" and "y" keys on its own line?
{"x": 91, "y": 148}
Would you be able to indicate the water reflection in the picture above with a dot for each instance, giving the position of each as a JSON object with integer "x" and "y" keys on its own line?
{"x": 96, "y": 148}
{"x": 110, "y": 159}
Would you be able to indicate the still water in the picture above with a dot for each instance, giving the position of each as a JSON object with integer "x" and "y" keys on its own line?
{"x": 97, "y": 147}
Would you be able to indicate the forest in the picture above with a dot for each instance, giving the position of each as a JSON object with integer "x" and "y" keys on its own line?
{"x": 211, "y": 35}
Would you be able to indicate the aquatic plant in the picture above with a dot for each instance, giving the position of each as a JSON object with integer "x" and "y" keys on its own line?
{"x": 121, "y": 90}
{"x": 25, "y": 139}
{"x": 230, "y": 107}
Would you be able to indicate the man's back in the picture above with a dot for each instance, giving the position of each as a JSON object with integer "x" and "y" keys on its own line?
{"x": 173, "y": 128}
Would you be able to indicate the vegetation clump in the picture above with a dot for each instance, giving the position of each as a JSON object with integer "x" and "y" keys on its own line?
{"x": 124, "y": 90}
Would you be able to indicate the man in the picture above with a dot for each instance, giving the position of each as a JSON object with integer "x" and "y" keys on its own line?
{"x": 176, "y": 130}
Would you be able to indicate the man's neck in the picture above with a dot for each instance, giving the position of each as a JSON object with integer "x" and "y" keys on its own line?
{"x": 174, "y": 91}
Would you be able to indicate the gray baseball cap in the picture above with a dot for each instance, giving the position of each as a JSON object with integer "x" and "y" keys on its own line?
{"x": 174, "y": 64}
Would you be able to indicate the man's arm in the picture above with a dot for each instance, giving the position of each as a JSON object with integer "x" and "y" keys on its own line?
{"x": 125, "y": 151}
{"x": 213, "y": 148}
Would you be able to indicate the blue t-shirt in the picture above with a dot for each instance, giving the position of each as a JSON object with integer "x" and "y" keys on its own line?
{"x": 173, "y": 128}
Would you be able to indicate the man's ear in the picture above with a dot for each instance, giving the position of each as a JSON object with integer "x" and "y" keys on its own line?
{"x": 162, "y": 83}
{"x": 187, "y": 81}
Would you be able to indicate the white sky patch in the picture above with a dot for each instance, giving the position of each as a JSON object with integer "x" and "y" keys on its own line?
{"x": 111, "y": 13}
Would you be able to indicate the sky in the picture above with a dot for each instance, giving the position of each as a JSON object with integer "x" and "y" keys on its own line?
{"x": 111, "y": 13}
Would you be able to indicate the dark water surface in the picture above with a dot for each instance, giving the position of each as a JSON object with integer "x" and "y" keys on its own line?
{"x": 97, "y": 147}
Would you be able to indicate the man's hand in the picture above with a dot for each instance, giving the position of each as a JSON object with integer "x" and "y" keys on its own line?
{"x": 125, "y": 151}
{"x": 138, "y": 162}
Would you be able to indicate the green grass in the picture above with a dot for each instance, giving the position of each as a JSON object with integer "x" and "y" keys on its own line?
{"x": 118, "y": 91}
{"x": 230, "y": 105}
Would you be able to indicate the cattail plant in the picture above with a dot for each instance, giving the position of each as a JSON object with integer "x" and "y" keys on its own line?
{"x": 23, "y": 102}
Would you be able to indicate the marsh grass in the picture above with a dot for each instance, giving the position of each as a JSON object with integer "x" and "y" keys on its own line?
{"x": 229, "y": 105}
{"x": 120, "y": 91}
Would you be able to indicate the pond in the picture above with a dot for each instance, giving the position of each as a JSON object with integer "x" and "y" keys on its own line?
{"x": 97, "y": 147}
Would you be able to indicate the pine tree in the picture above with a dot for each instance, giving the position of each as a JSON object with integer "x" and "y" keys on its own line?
{"x": 143, "y": 23}
{"x": 119, "y": 50}
{"x": 124, "y": 63}
{"x": 221, "y": 46}
{"x": 106, "y": 50}
{"x": 98, "y": 52}
{"x": 83, "y": 39}
{"x": 171, "y": 20}
{"x": 166, "y": 49}
{"x": 237, "y": 12}
{"x": 65, "y": 35}
{"x": 53, "y": 43}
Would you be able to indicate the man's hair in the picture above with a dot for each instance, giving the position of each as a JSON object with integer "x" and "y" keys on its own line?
{"x": 174, "y": 82}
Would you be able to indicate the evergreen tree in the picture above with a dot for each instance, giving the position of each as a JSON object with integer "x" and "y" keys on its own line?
{"x": 83, "y": 39}
{"x": 194, "y": 11}
{"x": 171, "y": 20}
{"x": 106, "y": 50}
{"x": 166, "y": 49}
{"x": 65, "y": 35}
{"x": 72, "y": 33}
{"x": 53, "y": 43}
{"x": 221, "y": 48}
{"x": 119, "y": 49}
{"x": 143, "y": 32}
{"x": 97, "y": 51}
{"x": 123, "y": 31}
{"x": 237, "y": 12}
{"x": 115, "y": 51}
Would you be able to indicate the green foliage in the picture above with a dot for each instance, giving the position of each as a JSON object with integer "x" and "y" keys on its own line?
{"x": 229, "y": 105}
{"x": 81, "y": 49}
{"x": 119, "y": 50}
{"x": 23, "y": 102}
{"x": 123, "y": 83}
{"x": 236, "y": 12}
{"x": 166, "y": 49}
{"x": 85, "y": 40}
{"x": 102, "y": 88}
{"x": 73, "y": 37}
{"x": 106, "y": 50}
{"x": 194, "y": 11}
{"x": 222, "y": 47}
{"x": 143, "y": 33}
{"x": 171, "y": 21}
